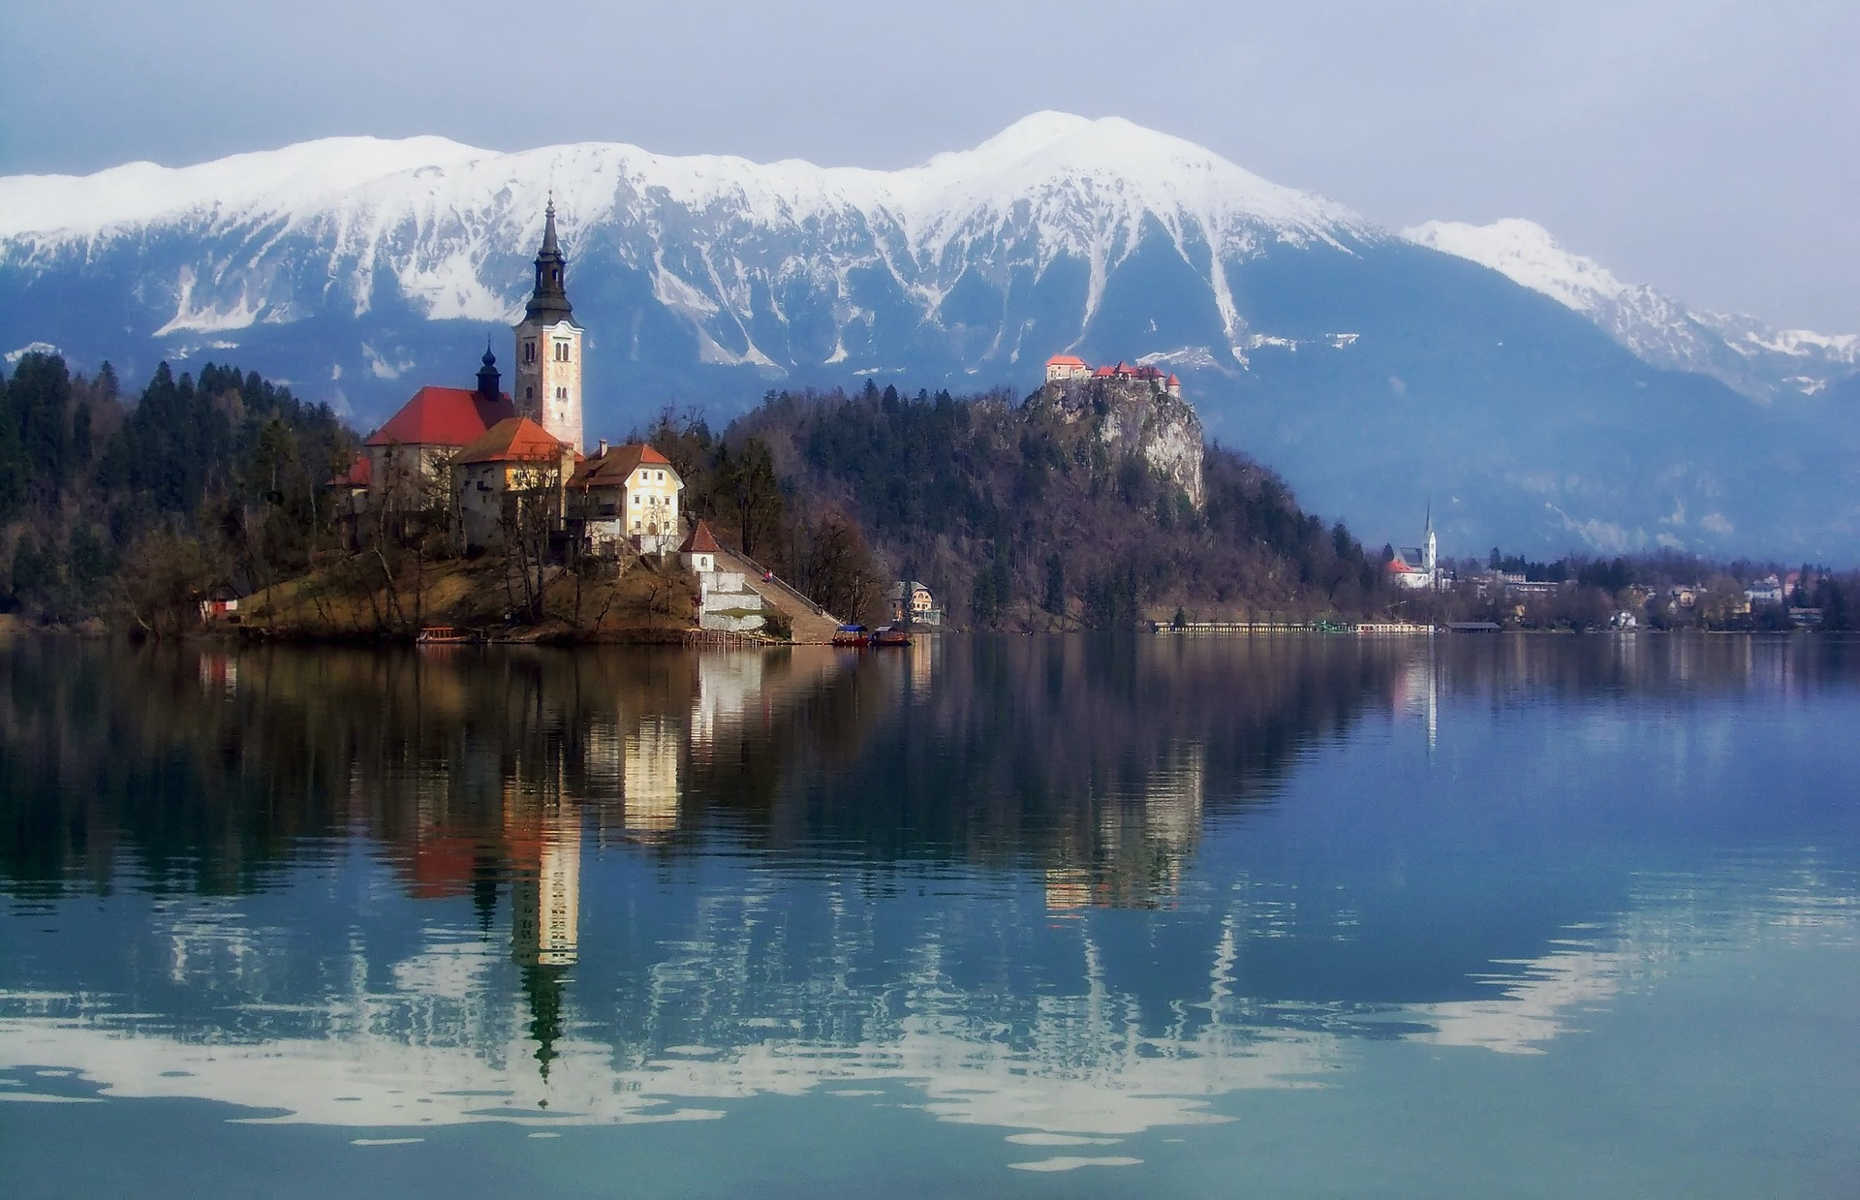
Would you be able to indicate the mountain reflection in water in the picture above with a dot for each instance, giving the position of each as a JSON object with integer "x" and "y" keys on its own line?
{"x": 1069, "y": 886}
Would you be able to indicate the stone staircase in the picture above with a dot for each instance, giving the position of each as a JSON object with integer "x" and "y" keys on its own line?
{"x": 811, "y": 623}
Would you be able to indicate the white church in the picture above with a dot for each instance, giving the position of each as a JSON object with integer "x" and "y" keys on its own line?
{"x": 497, "y": 453}
{"x": 1417, "y": 568}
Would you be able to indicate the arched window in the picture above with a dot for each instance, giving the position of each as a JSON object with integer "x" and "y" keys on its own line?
{"x": 529, "y": 350}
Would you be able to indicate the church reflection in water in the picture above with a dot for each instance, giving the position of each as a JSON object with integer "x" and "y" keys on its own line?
{"x": 1026, "y": 879}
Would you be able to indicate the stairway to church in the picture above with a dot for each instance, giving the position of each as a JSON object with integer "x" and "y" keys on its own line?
{"x": 810, "y": 622}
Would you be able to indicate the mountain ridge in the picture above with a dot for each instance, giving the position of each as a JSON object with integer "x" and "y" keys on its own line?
{"x": 1371, "y": 371}
{"x": 1747, "y": 354}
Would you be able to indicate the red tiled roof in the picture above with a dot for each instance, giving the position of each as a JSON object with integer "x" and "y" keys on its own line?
{"x": 360, "y": 474}
{"x": 442, "y": 416}
{"x": 1173, "y": 381}
{"x": 700, "y": 541}
{"x": 513, "y": 439}
{"x": 1065, "y": 360}
{"x": 612, "y": 468}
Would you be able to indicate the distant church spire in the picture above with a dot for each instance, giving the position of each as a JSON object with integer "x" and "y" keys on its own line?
{"x": 1428, "y": 556}
{"x": 550, "y": 299}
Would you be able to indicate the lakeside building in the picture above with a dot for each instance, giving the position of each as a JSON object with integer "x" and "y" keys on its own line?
{"x": 913, "y": 602}
{"x": 1767, "y": 590}
{"x": 513, "y": 473}
{"x": 494, "y": 456}
{"x": 627, "y": 495}
{"x": 1417, "y": 568}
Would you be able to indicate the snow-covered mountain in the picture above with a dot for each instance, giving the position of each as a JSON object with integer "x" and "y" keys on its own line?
{"x": 1371, "y": 370}
{"x": 1747, "y": 354}
{"x": 326, "y": 224}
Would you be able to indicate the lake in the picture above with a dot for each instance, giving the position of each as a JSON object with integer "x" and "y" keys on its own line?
{"x": 1282, "y": 916}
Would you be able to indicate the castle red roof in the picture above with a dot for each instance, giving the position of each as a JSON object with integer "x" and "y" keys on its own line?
{"x": 513, "y": 439}
{"x": 700, "y": 541}
{"x": 612, "y": 468}
{"x": 442, "y": 416}
{"x": 1173, "y": 381}
{"x": 1065, "y": 360}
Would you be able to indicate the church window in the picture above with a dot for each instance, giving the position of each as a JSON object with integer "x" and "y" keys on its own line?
{"x": 561, "y": 352}
{"x": 529, "y": 393}
{"x": 529, "y": 351}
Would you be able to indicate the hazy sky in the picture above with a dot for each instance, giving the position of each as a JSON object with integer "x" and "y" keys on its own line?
{"x": 1707, "y": 147}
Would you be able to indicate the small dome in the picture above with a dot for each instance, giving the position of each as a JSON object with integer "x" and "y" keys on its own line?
{"x": 489, "y": 359}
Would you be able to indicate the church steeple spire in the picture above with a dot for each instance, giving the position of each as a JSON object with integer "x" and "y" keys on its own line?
{"x": 547, "y": 385}
{"x": 1428, "y": 552}
{"x": 488, "y": 380}
{"x": 549, "y": 301}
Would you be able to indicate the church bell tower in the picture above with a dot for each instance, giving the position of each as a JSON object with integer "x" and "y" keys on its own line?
{"x": 1428, "y": 547}
{"x": 548, "y": 373}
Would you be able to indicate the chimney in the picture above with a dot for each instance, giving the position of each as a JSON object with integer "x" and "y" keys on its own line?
{"x": 600, "y": 448}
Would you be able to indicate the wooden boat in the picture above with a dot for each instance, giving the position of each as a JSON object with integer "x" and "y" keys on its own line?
{"x": 445, "y": 635}
{"x": 891, "y": 635}
{"x": 852, "y": 635}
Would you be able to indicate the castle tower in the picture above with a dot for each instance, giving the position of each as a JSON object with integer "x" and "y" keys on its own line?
{"x": 548, "y": 379}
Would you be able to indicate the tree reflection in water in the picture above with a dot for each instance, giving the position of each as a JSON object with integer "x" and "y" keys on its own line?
{"x": 726, "y": 874}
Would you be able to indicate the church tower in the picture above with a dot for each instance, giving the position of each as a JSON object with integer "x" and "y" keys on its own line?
{"x": 1427, "y": 546}
{"x": 548, "y": 382}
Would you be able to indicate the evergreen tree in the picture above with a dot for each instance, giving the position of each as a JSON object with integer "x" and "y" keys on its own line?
{"x": 1054, "y": 599}
{"x": 13, "y": 471}
{"x": 41, "y": 397}
{"x": 80, "y": 437}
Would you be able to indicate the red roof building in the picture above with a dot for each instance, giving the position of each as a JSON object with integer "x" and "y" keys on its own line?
{"x": 627, "y": 494}
{"x": 443, "y": 416}
{"x": 611, "y": 468}
{"x": 700, "y": 541}
{"x": 513, "y": 439}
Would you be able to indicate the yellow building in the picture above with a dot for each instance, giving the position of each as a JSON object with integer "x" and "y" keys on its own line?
{"x": 626, "y": 495}
{"x": 511, "y": 477}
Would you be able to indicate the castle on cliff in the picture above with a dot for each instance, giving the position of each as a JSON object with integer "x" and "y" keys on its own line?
{"x": 1063, "y": 367}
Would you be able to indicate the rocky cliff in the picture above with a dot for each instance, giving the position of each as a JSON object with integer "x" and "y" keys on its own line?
{"x": 1130, "y": 418}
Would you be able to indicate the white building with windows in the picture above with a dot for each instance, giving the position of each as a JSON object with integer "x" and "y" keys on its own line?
{"x": 627, "y": 495}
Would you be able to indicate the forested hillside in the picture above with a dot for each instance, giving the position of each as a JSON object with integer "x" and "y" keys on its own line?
{"x": 118, "y": 508}
{"x": 1014, "y": 518}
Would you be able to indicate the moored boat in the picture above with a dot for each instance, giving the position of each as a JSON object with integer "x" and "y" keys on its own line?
{"x": 852, "y": 635}
{"x": 445, "y": 635}
{"x": 891, "y": 635}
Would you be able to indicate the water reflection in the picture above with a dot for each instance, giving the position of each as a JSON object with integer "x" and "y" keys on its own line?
{"x": 1072, "y": 888}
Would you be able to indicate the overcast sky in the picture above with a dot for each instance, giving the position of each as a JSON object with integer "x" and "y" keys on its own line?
{"x": 1707, "y": 147}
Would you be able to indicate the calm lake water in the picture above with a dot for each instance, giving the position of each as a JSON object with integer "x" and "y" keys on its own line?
{"x": 1287, "y": 916}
